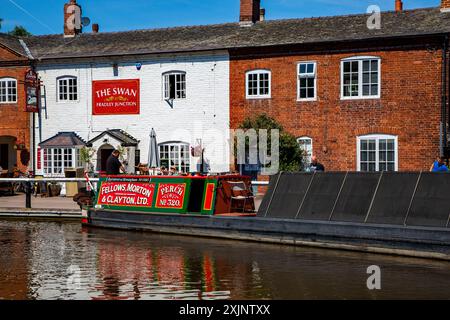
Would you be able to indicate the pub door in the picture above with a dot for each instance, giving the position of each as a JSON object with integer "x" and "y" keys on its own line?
{"x": 104, "y": 155}
{"x": 4, "y": 156}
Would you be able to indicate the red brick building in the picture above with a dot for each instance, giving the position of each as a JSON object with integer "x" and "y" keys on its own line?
{"x": 358, "y": 97}
{"x": 14, "y": 121}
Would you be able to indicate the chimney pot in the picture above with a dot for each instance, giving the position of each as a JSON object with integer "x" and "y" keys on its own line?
{"x": 250, "y": 12}
{"x": 95, "y": 28}
{"x": 398, "y": 5}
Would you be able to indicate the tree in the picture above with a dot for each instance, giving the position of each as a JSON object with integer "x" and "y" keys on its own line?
{"x": 1, "y": 20}
{"x": 19, "y": 31}
{"x": 290, "y": 152}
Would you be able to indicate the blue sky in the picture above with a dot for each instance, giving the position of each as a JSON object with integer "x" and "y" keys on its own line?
{"x": 45, "y": 16}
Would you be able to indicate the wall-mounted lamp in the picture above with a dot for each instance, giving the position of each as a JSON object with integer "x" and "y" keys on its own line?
{"x": 19, "y": 146}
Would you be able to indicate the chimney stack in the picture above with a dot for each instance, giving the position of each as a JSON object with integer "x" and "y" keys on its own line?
{"x": 445, "y": 5}
{"x": 250, "y": 12}
{"x": 72, "y": 19}
{"x": 398, "y": 5}
{"x": 95, "y": 28}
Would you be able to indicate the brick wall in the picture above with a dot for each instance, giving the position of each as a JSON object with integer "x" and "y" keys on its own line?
{"x": 409, "y": 107}
{"x": 15, "y": 122}
{"x": 445, "y": 4}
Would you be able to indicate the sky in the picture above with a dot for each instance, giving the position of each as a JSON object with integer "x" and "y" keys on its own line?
{"x": 46, "y": 16}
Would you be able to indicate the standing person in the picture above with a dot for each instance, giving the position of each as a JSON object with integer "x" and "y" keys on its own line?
{"x": 113, "y": 165}
{"x": 315, "y": 165}
{"x": 439, "y": 165}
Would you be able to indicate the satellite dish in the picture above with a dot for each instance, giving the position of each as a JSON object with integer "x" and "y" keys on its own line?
{"x": 85, "y": 21}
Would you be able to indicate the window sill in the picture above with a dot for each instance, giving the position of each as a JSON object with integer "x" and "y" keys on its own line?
{"x": 12, "y": 102}
{"x": 68, "y": 101}
{"x": 307, "y": 100}
{"x": 259, "y": 98}
{"x": 361, "y": 98}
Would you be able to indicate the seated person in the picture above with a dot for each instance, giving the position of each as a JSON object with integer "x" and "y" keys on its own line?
{"x": 164, "y": 171}
{"x": 143, "y": 169}
{"x": 173, "y": 171}
{"x": 439, "y": 165}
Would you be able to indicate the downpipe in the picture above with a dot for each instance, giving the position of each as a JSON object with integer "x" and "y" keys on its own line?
{"x": 443, "y": 141}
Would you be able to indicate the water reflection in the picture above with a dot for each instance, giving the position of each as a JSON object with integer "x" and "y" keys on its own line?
{"x": 37, "y": 260}
{"x": 138, "y": 271}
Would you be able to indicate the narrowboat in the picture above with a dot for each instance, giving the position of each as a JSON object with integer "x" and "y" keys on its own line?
{"x": 388, "y": 213}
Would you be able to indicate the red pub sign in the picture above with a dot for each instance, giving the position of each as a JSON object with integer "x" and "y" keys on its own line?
{"x": 113, "y": 97}
{"x": 171, "y": 195}
{"x": 126, "y": 194}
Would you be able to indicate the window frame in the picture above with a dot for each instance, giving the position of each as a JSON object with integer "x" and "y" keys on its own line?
{"x": 58, "y": 89}
{"x": 7, "y": 80}
{"x": 376, "y": 137}
{"x": 48, "y": 160}
{"x": 308, "y": 75}
{"x": 360, "y": 61}
{"x": 259, "y": 95}
{"x": 312, "y": 146}
{"x": 166, "y": 90}
{"x": 178, "y": 144}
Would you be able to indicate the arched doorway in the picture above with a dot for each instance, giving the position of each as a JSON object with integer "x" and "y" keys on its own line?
{"x": 103, "y": 154}
{"x": 8, "y": 155}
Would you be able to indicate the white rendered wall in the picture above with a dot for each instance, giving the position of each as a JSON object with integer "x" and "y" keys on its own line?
{"x": 203, "y": 114}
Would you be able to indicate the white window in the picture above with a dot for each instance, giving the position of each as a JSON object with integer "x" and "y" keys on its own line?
{"x": 175, "y": 155}
{"x": 174, "y": 85}
{"x": 57, "y": 160}
{"x": 360, "y": 78}
{"x": 306, "y": 146}
{"x": 377, "y": 153}
{"x": 258, "y": 84}
{"x": 68, "y": 89}
{"x": 78, "y": 158}
{"x": 8, "y": 90}
{"x": 307, "y": 81}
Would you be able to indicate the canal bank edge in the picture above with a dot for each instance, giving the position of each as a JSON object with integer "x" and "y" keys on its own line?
{"x": 47, "y": 214}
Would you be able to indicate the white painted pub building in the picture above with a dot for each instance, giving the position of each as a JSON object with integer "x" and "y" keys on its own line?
{"x": 109, "y": 90}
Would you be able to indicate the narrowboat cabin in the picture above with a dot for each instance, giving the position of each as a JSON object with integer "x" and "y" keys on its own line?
{"x": 229, "y": 195}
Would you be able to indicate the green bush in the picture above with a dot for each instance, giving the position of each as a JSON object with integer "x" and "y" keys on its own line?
{"x": 290, "y": 152}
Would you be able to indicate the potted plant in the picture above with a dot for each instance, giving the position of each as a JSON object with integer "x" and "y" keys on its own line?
{"x": 86, "y": 155}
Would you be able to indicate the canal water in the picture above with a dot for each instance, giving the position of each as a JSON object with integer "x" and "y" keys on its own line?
{"x": 47, "y": 260}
